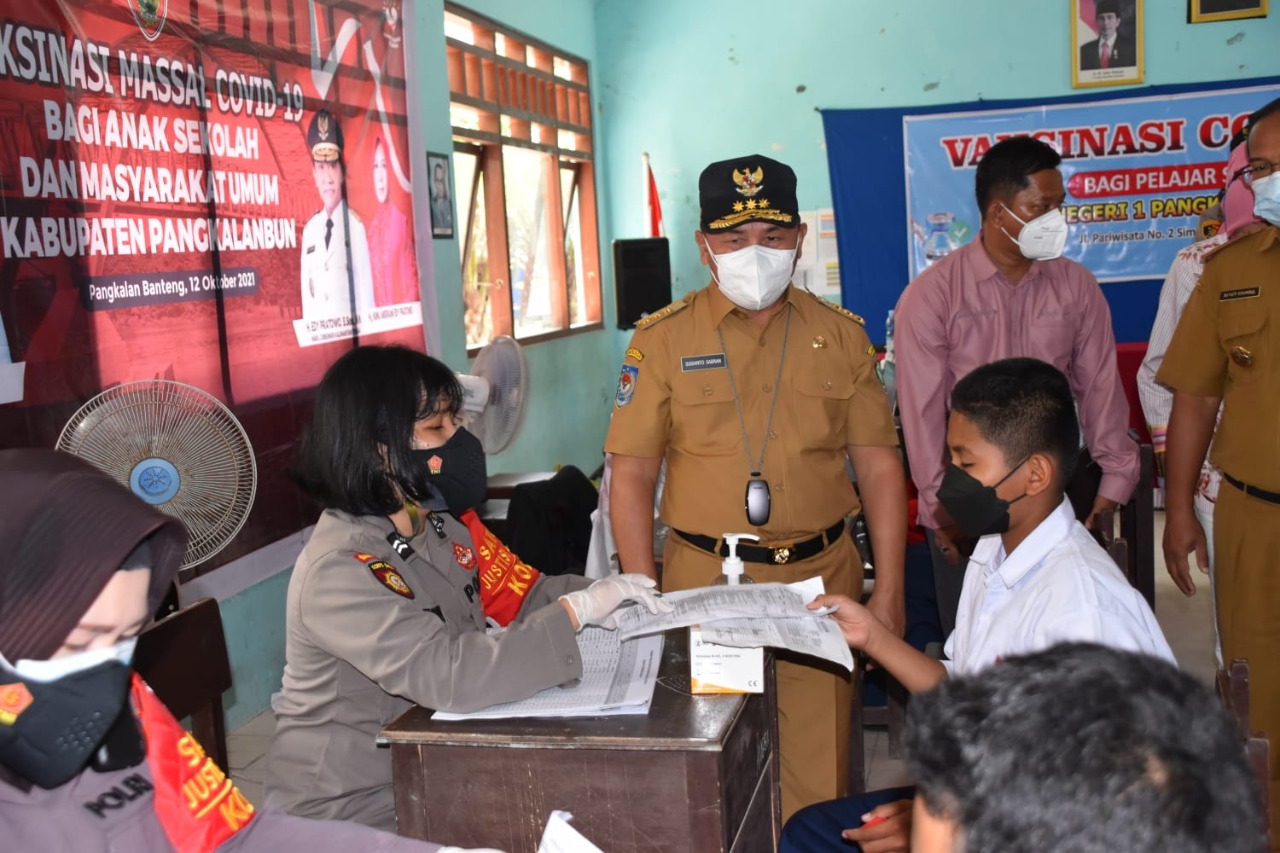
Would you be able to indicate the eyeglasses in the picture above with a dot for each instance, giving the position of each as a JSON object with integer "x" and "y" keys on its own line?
{"x": 1249, "y": 174}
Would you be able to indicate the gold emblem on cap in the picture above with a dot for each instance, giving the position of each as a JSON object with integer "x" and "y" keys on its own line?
{"x": 322, "y": 126}
{"x": 749, "y": 182}
{"x": 819, "y": 342}
{"x": 1242, "y": 356}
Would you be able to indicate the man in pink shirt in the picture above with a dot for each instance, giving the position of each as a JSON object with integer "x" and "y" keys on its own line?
{"x": 1008, "y": 293}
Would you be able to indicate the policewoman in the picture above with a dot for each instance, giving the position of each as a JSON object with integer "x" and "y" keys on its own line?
{"x": 757, "y": 393}
{"x": 90, "y": 759}
{"x": 389, "y": 600}
{"x": 337, "y": 276}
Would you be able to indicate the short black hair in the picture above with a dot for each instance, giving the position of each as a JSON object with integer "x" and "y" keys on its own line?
{"x": 1006, "y": 167}
{"x": 1022, "y": 406}
{"x": 355, "y": 454}
{"x": 1259, "y": 114}
{"x": 1082, "y": 748}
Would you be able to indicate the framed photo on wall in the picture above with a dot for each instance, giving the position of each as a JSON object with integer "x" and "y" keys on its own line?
{"x": 1106, "y": 42}
{"x": 440, "y": 191}
{"x": 1201, "y": 11}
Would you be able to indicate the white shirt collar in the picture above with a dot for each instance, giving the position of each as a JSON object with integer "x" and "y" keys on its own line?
{"x": 1012, "y": 568}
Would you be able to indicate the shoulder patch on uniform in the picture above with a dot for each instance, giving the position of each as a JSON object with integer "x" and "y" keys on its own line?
{"x": 663, "y": 313}
{"x": 839, "y": 309}
{"x": 626, "y": 385}
{"x": 634, "y": 354}
{"x": 390, "y": 578}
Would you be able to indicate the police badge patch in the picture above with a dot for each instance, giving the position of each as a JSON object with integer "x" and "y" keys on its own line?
{"x": 390, "y": 578}
{"x": 626, "y": 385}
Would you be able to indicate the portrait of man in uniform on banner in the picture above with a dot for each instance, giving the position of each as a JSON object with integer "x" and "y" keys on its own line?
{"x": 1106, "y": 42}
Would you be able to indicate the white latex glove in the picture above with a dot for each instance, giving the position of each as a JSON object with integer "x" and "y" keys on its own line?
{"x": 596, "y": 604}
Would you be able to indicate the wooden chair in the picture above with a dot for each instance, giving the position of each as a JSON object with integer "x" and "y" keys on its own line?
{"x": 184, "y": 659}
{"x": 1233, "y": 690}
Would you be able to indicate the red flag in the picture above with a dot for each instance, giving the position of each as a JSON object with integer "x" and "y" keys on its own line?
{"x": 656, "y": 228}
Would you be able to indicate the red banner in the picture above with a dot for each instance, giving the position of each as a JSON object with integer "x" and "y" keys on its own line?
{"x": 208, "y": 191}
{"x": 160, "y": 196}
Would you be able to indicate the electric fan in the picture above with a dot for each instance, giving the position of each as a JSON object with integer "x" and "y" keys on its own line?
{"x": 493, "y": 396}
{"x": 177, "y": 448}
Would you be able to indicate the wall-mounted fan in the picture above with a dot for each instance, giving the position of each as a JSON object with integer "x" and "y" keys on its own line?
{"x": 176, "y": 447}
{"x": 494, "y": 394}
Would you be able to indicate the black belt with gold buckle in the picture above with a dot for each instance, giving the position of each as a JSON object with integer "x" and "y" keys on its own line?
{"x": 1251, "y": 491}
{"x": 778, "y": 556}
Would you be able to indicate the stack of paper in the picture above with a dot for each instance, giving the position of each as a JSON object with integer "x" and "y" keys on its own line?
{"x": 618, "y": 675}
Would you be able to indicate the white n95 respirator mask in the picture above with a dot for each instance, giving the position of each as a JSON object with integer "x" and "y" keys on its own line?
{"x": 753, "y": 277}
{"x": 1043, "y": 238}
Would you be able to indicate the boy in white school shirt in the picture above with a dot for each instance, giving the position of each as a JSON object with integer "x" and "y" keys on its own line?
{"x": 1036, "y": 578}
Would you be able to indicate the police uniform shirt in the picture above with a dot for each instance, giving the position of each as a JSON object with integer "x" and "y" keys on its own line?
{"x": 1226, "y": 345}
{"x": 326, "y": 291}
{"x": 674, "y": 399}
{"x": 370, "y": 630}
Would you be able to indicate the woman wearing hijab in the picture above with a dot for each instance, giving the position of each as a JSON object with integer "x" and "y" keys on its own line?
{"x": 389, "y": 602}
{"x": 90, "y": 760}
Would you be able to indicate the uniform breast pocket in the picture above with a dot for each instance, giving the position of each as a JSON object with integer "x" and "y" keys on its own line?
{"x": 1053, "y": 332}
{"x": 704, "y": 420}
{"x": 1244, "y": 335}
{"x": 822, "y": 399}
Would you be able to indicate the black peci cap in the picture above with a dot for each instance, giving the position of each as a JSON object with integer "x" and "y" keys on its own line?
{"x": 747, "y": 189}
{"x": 324, "y": 137}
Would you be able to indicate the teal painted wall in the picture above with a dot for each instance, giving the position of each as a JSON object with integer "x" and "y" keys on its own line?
{"x": 253, "y": 622}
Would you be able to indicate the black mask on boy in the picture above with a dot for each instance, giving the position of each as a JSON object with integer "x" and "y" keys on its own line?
{"x": 457, "y": 470}
{"x": 975, "y": 506}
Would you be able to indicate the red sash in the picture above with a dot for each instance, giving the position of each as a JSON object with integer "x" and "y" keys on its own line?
{"x": 197, "y": 804}
{"x": 504, "y": 580}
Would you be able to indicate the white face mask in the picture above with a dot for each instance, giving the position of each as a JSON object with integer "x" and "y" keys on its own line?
{"x": 1266, "y": 198}
{"x": 1043, "y": 238}
{"x": 51, "y": 670}
{"x": 753, "y": 277}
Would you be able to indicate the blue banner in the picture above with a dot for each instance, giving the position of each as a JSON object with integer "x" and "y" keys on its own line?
{"x": 1138, "y": 173}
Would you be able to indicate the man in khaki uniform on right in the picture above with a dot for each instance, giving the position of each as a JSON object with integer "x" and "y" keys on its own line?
{"x": 1227, "y": 348}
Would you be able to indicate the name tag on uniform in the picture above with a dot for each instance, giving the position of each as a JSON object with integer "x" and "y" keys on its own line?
{"x": 1240, "y": 293}
{"x": 701, "y": 362}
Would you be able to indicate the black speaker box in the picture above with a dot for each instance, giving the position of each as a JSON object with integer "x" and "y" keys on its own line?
{"x": 641, "y": 278}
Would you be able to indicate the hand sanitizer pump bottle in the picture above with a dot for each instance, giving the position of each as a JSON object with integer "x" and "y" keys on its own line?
{"x": 726, "y": 669}
{"x": 732, "y": 573}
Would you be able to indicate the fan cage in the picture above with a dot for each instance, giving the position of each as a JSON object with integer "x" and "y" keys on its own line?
{"x": 503, "y": 365}
{"x": 191, "y": 430}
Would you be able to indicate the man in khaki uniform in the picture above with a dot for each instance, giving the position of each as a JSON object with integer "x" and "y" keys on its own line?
{"x": 756, "y": 394}
{"x": 1226, "y": 349}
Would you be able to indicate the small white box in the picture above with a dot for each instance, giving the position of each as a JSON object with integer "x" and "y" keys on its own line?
{"x": 723, "y": 669}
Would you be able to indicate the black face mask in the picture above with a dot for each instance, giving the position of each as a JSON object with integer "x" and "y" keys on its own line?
{"x": 69, "y": 721}
{"x": 457, "y": 470}
{"x": 975, "y": 507}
